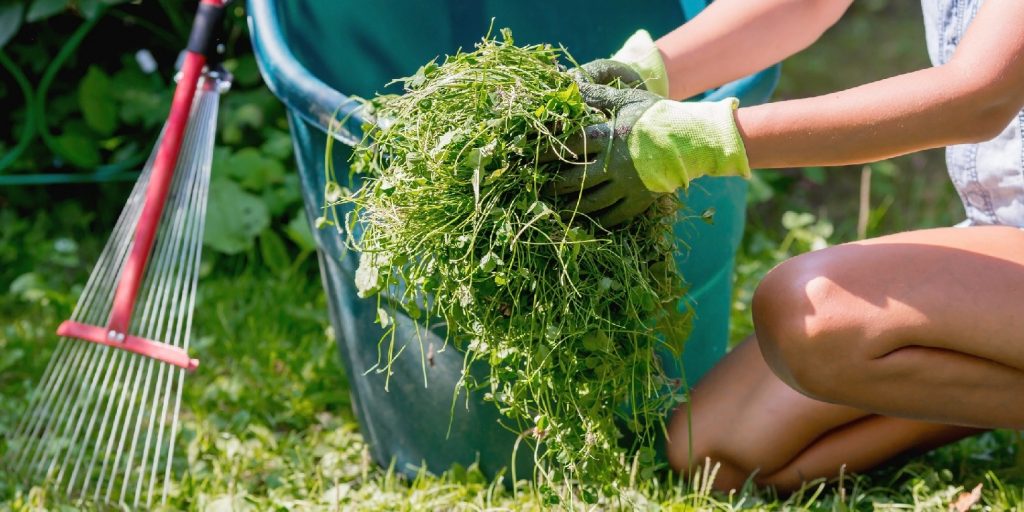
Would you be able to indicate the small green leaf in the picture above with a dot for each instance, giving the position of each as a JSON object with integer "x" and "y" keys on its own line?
{"x": 490, "y": 261}
{"x": 709, "y": 215}
{"x": 89, "y": 8}
{"x": 253, "y": 170}
{"x": 413, "y": 310}
{"x": 494, "y": 175}
{"x": 539, "y": 209}
{"x": 78, "y": 149}
{"x": 421, "y": 75}
{"x": 42, "y": 9}
{"x": 368, "y": 280}
{"x": 10, "y": 20}
{"x": 443, "y": 141}
{"x": 234, "y": 218}
{"x": 595, "y": 341}
{"x": 96, "y": 99}
{"x": 274, "y": 254}
{"x": 298, "y": 231}
{"x": 793, "y": 220}
{"x": 332, "y": 192}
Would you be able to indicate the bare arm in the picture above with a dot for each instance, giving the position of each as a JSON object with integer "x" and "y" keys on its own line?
{"x": 734, "y": 38}
{"x": 969, "y": 99}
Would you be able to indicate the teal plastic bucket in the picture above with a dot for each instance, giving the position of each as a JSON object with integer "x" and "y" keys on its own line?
{"x": 313, "y": 53}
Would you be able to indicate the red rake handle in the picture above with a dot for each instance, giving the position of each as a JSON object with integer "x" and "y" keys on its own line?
{"x": 199, "y": 45}
{"x": 116, "y": 335}
{"x": 156, "y": 194}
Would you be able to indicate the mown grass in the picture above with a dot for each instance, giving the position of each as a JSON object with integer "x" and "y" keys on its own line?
{"x": 268, "y": 426}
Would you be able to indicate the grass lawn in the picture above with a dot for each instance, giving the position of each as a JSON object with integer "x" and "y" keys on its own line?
{"x": 267, "y": 423}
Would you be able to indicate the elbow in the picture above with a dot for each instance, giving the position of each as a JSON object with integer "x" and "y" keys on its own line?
{"x": 990, "y": 124}
{"x": 987, "y": 102}
{"x": 822, "y": 14}
{"x": 986, "y": 123}
{"x": 828, "y": 12}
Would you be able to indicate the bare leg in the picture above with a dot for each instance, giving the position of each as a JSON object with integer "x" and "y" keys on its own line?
{"x": 925, "y": 325}
{"x": 750, "y": 422}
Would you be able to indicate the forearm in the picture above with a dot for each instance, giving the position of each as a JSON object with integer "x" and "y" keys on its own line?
{"x": 924, "y": 109}
{"x": 972, "y": 98}
{"x": 733, "y": 38}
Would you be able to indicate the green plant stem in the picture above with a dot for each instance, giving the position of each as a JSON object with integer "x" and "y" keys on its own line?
{"x": 28, "y": 131}
{"x": 39, "y": 103}
{"x": 69, "y": 47}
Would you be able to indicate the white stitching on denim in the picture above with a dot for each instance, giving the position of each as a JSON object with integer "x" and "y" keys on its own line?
{"x": 1020, "y": 134}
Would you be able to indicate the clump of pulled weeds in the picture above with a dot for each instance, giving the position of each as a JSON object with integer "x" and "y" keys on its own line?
{"x": 451, "y": 223}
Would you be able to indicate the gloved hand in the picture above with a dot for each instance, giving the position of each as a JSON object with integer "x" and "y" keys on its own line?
{"x": 649, "y": 146}
{"x": 637, "y": 64}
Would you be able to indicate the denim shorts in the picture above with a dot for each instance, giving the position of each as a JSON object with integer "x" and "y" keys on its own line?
{"x": 989, "y": 177}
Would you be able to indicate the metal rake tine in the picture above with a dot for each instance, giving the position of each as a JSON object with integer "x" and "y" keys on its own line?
{"x": 75, "y": 351}
{"x": 173, "y": 280}
{"x": 88, "y": 395}
{"x": 124, "y": 221}
{"x": 97, "y": 369}
{"x": 112, "y": 394}
{"x": 99, "y": 279}
{"x": 188, "y": 310}
{"x": 163, "y": 252}
{"x": 30, "y": 421}
{"x": 207, "y": 123}
{"x": 107, "y": 372}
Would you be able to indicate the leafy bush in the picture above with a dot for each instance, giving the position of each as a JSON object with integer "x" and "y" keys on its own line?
{"x": 89, "y": 106}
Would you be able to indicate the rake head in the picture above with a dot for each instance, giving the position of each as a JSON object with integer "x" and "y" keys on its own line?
{"x": 101, "y": 424}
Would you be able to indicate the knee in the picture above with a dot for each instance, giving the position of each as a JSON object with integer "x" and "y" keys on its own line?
{"x": 802, "y": 324}
{"x": 710, "y": 451}
{"x": 703, "y": 455}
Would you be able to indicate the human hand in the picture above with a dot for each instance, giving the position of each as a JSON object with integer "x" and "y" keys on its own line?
{"x": 605, "y": 183}
{"x": 638, "y": 64}
{"x": 609, "y": 72}
{"x": 648, "y": 146}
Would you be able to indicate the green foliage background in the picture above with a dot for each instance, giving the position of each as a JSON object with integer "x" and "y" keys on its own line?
{"x": 272, "y": 428}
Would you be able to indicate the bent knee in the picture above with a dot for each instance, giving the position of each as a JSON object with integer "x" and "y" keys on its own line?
{"x": 714, "y": 452}
{"x": 806, "y": 326}
{"x": 706, "y": 462}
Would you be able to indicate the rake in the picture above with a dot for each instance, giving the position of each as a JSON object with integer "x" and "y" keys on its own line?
{"x": 101, "y": 423}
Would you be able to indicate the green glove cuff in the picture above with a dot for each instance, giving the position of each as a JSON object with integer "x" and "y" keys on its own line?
{"x": 643, "y": 55}
{"x": 673, "y": 143}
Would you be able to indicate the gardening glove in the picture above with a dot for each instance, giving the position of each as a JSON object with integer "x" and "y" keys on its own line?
{"x": 649, "y": 146}
{"x": 638, "y": 63}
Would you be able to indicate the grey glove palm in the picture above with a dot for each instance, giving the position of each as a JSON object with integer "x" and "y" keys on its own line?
{"x": 605, "y": 184}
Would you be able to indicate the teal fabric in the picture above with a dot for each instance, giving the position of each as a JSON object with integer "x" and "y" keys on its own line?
{"x": 356, "y": 48}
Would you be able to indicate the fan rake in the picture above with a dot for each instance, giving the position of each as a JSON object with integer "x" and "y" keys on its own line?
{"x": 102, "y": 422}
